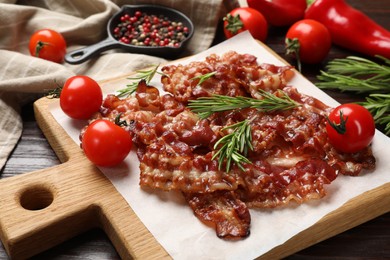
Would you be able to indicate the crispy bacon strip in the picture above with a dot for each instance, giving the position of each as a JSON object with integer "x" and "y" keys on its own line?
{"x": 229, "y": 215}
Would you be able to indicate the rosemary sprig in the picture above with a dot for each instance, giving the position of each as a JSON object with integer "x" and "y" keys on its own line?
{"x": 356, "y": 74}
{"x": 146, "y": 75}
{"x": 205, "y": 106}
{"x": 379, "y": 106}
{"x": 234, "y": 146}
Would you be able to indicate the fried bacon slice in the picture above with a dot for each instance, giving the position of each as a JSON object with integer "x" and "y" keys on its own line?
{"x": 291, "y": 160}
{"x": 229, "y": 215}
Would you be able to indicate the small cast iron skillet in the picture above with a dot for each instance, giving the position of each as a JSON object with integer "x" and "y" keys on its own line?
{"x": 168, "y": 52}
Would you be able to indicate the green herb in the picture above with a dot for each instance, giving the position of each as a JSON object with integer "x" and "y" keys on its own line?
{"x": 234, "y": 146}
{"x": 356, "y": 74}
{"x": 204, "y": 77}
{"x": 146, "y": 75}
{"x": 379, "y": 106}
{"x": 205, "y": 106}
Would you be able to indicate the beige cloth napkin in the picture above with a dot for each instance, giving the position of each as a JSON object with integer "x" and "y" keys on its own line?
{"x": 23, "y": 77}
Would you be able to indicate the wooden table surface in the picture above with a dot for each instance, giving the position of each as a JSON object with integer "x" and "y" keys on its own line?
{"x": 370, "y": 240}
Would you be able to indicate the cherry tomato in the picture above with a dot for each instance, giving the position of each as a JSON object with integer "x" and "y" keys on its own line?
{"x": 48, "y": 44}
{"x": 350, "y": 128}
{"x": 245, "y": 18}
{"x": 309, "y": 41}
{"x": 105, "y": 143}
{"x": 81, "y": 97}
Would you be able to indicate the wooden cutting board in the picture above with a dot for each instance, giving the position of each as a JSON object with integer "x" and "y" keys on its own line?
{"x": 44, "y": 208}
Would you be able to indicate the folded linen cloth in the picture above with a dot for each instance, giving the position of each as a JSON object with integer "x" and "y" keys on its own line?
{"x": 24, "y": 78}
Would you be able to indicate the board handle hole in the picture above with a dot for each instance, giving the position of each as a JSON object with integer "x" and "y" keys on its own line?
{"x": 36, "y": 198}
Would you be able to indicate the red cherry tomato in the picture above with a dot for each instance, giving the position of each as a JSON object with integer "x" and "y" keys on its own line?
{"x": 105, "y": 143}
{"x": 245, "y": 18}
{"x": 309, "y": 41}
{"x": 350, "y": 128}
{"x": 48, "y": 44}
{"x": 81, "y": 97}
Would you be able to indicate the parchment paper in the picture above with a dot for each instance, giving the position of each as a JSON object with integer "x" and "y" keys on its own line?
{"x": 172, "y": 222}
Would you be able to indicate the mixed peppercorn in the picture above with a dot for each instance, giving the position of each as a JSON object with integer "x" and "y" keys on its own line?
{"x": 142, "y": 29}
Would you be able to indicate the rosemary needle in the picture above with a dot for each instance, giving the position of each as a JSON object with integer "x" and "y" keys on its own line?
{"x": 204, "y": 77}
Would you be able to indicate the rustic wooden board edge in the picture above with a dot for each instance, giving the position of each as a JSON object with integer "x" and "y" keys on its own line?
{"x": 130, "y": 238}
{"x": 354, "y": 212}
{"x": 44, "y": 208}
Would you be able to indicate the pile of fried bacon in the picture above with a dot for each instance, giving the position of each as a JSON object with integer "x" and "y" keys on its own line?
{"x": 291, "y": 159}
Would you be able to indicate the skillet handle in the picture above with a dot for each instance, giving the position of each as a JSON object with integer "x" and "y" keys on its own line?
{"x": 80, "y": 55}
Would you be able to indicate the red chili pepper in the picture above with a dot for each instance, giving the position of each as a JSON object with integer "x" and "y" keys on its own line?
{"x": 280, "y": 12}
{"x": 351, "y": 28}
